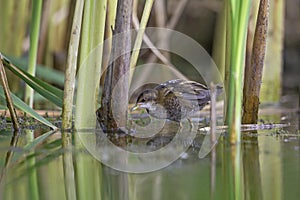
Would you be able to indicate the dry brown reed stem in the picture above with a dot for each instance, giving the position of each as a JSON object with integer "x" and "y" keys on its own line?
{"x": 9, "y": 101}
{"x": 253, "y": 72}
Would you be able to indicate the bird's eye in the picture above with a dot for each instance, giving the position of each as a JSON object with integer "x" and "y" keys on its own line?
{"x": 143, "y": 100}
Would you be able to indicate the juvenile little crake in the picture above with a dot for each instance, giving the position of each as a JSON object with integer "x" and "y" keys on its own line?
{"x": 175, "y": 99}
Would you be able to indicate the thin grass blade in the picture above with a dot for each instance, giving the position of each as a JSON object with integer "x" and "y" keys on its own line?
{"x": 25, "y": 108}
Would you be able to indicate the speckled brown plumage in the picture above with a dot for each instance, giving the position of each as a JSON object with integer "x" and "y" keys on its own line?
{"x": 174, "y": 99}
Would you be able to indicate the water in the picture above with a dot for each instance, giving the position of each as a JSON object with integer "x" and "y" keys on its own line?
{"x": 266, "y": 167}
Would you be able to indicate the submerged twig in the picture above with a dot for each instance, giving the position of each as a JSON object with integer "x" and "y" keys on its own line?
{"x": 248, "y": 127}
{"x": 213, "y": 115}
{"x": 9, "y": 101}
{"x": 213, "y": 136}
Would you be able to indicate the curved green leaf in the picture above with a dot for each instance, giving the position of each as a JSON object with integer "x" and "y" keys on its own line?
{"x": 43, "y": 72}
{"x": 48, "y": 91}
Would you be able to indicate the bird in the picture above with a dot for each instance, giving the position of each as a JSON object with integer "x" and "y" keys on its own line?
{"x": 175, "y": 100}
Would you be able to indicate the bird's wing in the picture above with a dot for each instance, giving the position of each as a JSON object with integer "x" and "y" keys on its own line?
{"x": 191, "y": 94}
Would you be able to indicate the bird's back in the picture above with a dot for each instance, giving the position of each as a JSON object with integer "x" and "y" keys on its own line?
{"x": 181, "y": 97}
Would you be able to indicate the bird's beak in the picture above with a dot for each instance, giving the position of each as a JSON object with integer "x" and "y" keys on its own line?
{"x": 136, "y": 106}
{"x": 139, "y": 105}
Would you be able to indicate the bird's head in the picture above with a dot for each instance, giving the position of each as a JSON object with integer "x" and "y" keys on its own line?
{"x": 146, "y": 99}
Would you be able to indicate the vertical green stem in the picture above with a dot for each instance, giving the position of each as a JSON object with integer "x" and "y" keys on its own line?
{"x": 69, "y": 88}
{"x": 238, "y": 176}
{"x": 91, "y": 48}
{"x": 34, "y": 39}
{"x": 32, "y": 174}
{"x": 90, "y": 64}
{"x": 69, "y": 85}
{"x": 80, "y": 165}
{"x": 85, "y": 44}
{"x": 239, "y": 12}
{"x": 140, "y": 34}
{"x": 111, "y": 15}
{"x": 99, "y": 20}
{"x": 110, "y": 25}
